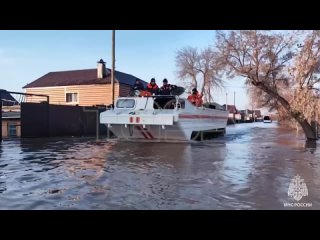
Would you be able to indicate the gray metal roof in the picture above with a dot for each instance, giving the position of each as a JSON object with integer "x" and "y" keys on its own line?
{"x": 7, "y": 99}
{"x": 11, "y": 115}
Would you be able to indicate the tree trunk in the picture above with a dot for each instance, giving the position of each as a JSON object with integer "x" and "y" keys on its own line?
{"x": 195, "y": 82}
{"x": 202, "y": 88}
{"x": 309, "y": 132}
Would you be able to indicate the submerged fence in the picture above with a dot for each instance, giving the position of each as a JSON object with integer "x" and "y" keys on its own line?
{"x": 47, "y": 120}
{"x": 38, "y": 118}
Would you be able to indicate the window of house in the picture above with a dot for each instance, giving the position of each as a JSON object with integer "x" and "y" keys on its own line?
{"x": 71, "y": 97}
{"x": 12, "y": 130}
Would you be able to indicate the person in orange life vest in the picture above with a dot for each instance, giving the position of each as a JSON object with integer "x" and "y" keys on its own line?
{"x": 166, "y": 88}
{"x": 153, "y": 87}
{"x": 195, "y": 98}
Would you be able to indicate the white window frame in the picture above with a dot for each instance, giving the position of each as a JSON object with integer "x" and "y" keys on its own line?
{"x": 72, "y": 93}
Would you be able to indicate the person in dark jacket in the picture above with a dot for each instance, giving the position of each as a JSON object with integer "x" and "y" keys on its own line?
{"x": 136, "y": 88}
{"x": 138, "y": 85}
{"x": 166, "y": 88}
{"x": 153, "y": 87}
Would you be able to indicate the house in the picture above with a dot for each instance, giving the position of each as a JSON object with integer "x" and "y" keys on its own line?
{"x": 258, "y": 116}
{"x": 86, "y": 87}
{"x": 233, "y": 112}
{"x": 213, "y": 105}
{"x": 248, "y": 115}
{"x": 7, "y": 99}
{"x": 257, "y": 113}
{"x": 231, "y": 108}
{"x": 11, "y": 124}
{"x": 10, "y": 117}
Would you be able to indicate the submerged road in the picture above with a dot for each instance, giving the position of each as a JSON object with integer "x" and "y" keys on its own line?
{"x": 249, "y": 168}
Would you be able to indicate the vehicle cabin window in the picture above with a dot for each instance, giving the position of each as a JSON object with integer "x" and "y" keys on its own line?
{"x": 168, "y": 103}
{"x": 71, "y": 97}
{"x": 125, "y": 103}
{"x": 266, "y": 118}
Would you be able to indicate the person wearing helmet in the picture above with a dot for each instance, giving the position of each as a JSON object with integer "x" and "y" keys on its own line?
{"x": 195, "y": 98}
{"x": 166, "y": 88}
{"x": 153, "y": 87}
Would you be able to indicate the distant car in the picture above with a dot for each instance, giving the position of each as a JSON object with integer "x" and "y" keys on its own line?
{"x": 267, "y": 119}
{"x": 259, "y": 119}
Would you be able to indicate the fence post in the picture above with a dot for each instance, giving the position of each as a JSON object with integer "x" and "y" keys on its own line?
{"x": 97, "y": 123}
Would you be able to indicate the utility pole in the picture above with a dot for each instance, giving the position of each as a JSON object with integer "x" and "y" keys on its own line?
{"x": 234, "y": 103}
{"x": 113, "y": 66}
{"x": 253, "y": 114}
{"x": 226, "y": 101}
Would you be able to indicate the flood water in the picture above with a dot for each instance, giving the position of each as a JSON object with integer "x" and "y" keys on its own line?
{"x": 249, "y": 168}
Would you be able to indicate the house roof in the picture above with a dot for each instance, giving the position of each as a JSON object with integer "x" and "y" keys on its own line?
{"x": 231, "y": 108}
{"x": 248, "y": 111}
{"x": 11, "y": 115}
{"x": 80, "y": 77}
{"x": 215, "y": 104}
{"x": 7, "y": 99}
{"x": 257, "y": 112}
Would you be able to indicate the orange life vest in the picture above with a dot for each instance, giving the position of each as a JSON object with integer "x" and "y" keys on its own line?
{"x": 153, "y": 88}
{"x": 196, "y": 99}
{"x": 145, "y": 94}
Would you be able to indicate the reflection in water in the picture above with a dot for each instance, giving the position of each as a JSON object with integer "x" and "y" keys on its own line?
{"x": 250, "y": 168}
{"x": 2, "y": 176}
{"x": 311, "y": 145}
{"x": 83, "y": 164}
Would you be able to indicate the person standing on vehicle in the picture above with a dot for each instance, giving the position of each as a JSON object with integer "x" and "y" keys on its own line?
{"x": 153, "y": 87}
{"x": 195, "y": 98}
{"x": 136, "y": 88}
{"x": 138, "y": 85}
{"x": 166, "y": 88}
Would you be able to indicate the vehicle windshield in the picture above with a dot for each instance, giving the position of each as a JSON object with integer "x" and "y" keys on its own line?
{"x": 266, "y": 118}
{"x": 125, "y": 103}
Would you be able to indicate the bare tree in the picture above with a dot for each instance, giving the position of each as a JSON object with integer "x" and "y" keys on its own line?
{"x": 276, "y": 67}
{"x": 200, "y": 68}
{"x": 259, "y": 99}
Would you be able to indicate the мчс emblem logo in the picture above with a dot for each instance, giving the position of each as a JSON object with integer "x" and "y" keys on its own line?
{"x": 297, "y": 188}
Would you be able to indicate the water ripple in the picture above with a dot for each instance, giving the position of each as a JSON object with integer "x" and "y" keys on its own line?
{"x": 250, "y": 168}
